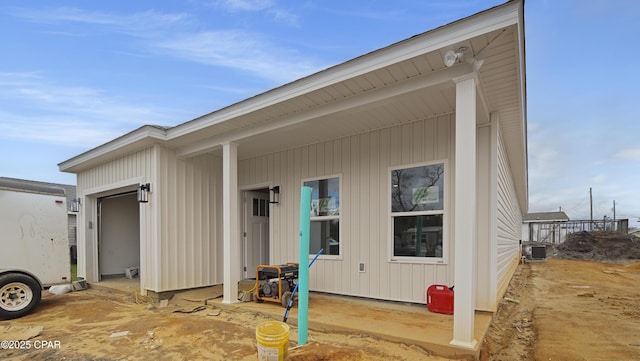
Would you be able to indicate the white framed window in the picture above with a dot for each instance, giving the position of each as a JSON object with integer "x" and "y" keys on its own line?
{"x": 325, "y": 216}
{"x": 418, "y": 213}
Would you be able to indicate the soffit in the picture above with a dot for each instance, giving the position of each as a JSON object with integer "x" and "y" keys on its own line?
{"x": 498, "y": 80}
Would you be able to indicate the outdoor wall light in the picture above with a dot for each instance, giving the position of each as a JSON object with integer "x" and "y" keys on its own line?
{"x": 274, "y": 195}
{"x": 75, "y": 205}
{"x": 143, "y": 192}
{"x": 451, "y": 57}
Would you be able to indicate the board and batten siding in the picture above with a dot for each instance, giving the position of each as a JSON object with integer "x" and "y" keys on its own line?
{"x": 179, "y": 231}
{"x": 509, "y": 221}
{"x": 362, "y": 162}
{"x": 190, "y": 228}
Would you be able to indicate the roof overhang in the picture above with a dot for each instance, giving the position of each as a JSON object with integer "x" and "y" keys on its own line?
{"x": 136, "y": 140}
{"x": 401, "y": 83}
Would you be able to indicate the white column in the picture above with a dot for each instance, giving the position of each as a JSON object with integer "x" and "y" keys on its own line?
{"x": 465, "y": 213}
{"x": 230, "y": 223}
{"x": 493, "y": 216}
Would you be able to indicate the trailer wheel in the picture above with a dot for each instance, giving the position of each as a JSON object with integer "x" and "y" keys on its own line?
{"x": 19, "y": 295}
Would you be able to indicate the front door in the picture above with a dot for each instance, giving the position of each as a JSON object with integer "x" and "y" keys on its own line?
{"x": 256, "y": 231}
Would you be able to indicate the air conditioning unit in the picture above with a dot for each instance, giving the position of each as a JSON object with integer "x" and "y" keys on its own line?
{"x": 538, "y": 253}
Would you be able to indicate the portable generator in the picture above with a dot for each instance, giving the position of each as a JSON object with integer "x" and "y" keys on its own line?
{"x": 276, "y": 283}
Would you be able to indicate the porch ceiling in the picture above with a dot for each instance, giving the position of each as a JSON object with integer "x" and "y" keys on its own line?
{"x": 376, "y": 115}
{"x": 416, "y": 88}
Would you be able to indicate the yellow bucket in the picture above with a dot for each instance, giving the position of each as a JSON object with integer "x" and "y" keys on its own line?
{"x": 273, "y": 341}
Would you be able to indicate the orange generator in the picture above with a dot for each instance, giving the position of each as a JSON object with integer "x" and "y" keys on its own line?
{"x": 276, "y": 283}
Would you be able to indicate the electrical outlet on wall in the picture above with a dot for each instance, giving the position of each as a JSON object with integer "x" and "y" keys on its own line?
{"x": 361, "y": 267}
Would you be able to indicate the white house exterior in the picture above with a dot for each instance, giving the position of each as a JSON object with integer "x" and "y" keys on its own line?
{"x": 397, "y": 146}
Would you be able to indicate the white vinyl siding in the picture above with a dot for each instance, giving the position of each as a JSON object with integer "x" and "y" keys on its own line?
{"x": 509, "y": 220}
{"x": 190, "y": 221}
{"x": 485, "y": 251}
{"x": 363, "y": 161}
{"x": 179, "y": 228}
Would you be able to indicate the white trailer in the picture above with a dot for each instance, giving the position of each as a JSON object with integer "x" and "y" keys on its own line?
{"x": 34, "y": 244}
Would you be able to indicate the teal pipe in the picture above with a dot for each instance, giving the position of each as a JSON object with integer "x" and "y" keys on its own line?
{"x": 295, "y": 289}
{"x": 303, "y": 266}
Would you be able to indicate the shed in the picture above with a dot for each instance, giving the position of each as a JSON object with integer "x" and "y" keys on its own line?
{"x": 416, "y": 153}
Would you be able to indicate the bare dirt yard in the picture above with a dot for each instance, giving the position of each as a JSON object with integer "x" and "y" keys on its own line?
{"x": 559, "y": 309}
{"x": 583, "y": 303}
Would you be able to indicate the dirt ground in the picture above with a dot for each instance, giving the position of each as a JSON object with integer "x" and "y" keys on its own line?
{"x": 582, "y": 303}
{"x": 553, "y": 310}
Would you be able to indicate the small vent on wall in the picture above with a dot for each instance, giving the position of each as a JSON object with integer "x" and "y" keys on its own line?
{"x": 361, "y": 267}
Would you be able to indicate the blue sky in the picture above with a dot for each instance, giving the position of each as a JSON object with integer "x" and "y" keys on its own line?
{"x": 75, "y": 74}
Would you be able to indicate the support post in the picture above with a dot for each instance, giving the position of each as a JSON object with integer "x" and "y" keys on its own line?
{"x": 230, "y": 223}
{"x": 465, "y": 213}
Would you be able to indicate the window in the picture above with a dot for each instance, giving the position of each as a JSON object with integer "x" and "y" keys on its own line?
{"x": 260, "y": 207}
{"x": 325, "y": 216}
{"x": 417, "y": 211}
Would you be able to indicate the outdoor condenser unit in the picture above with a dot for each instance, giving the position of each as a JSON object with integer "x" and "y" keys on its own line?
{"x": 538, "y": 253}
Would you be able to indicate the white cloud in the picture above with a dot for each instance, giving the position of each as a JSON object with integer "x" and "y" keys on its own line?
{"x": 57, "y": 129}
{"x": 630, "y": 154}
{"x": 245, "y": 5}
{"x": 245, "y": 51}
{"x": 70, "y": 115}
{"x": 138, "y": 24}
{"x": 267, "y": 6}
{"x": 284, "y": 16}
{"x": 599, "y": 179}
{"x": 173, "y": 33}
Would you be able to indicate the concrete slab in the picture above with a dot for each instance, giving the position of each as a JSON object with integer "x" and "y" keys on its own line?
{"x": 119, "y": 283}
{"x": 394, "y": 321}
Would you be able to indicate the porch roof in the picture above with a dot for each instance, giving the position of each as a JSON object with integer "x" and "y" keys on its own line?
{"x": 401, "y": 83}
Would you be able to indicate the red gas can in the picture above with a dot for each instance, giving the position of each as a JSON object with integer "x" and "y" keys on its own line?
{"x": 440, "y": 299}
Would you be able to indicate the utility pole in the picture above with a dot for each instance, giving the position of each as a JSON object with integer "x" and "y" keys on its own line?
{"x": 613, "y": 224}
{"x": 591, "y": 209}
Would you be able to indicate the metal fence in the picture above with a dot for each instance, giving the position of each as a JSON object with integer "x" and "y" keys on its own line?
{"x": 557, "y": 232}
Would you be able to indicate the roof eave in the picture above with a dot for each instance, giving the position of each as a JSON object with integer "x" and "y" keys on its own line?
{"x": 139, "y": 138}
